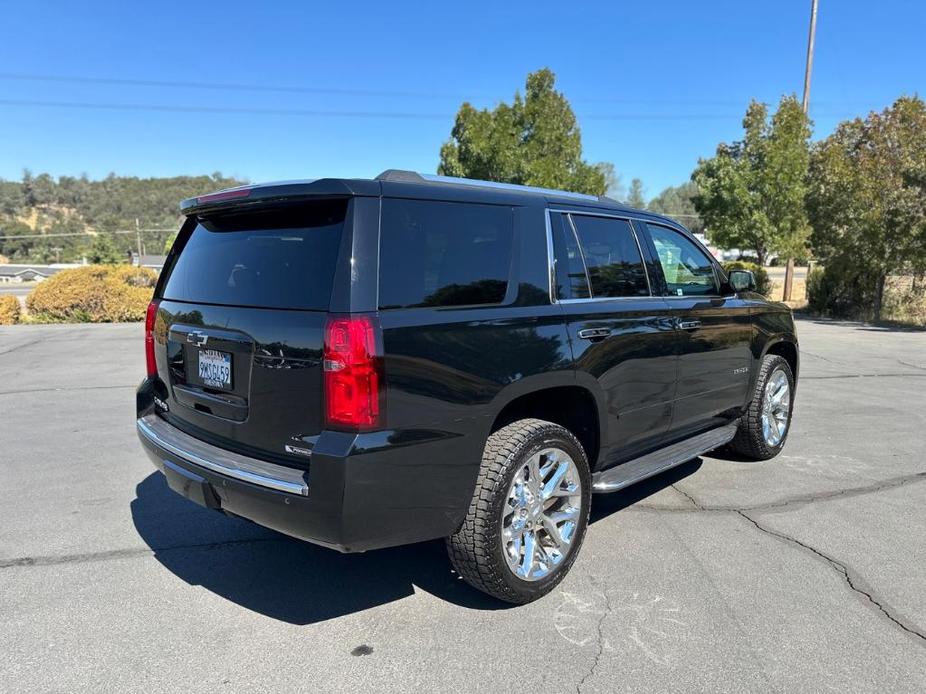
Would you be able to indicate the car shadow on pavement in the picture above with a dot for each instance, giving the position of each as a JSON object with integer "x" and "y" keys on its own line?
{"x": 604, "y": 505}
{"x": 300, "y": 583}
{"x": 284, "y": 578}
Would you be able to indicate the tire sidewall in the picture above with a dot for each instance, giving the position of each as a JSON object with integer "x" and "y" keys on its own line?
{"x": 552, "y": 436}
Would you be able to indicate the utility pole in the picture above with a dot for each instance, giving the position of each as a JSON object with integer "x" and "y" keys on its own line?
{"x": 138, "y": 236}
{"x": 805, "y": 102}
{"x": 805, "y": 105}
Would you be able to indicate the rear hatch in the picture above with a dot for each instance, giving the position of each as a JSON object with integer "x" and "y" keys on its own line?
{"x": 240, "y": 326}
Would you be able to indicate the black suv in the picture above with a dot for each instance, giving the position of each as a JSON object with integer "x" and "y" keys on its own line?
{"x": 367, "y": 363}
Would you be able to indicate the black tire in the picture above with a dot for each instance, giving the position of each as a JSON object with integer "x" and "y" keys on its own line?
{"x": 750, "y": 439}
{"x": 477, "y": 550}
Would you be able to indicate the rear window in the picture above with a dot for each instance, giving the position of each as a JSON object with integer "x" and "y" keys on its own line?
{"x": 282, "y": 258}
{"x": 443, "y": 254}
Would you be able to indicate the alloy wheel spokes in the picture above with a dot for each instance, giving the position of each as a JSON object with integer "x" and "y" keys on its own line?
{"x": 776, "y": 408}
{"x": 541, "y": 513}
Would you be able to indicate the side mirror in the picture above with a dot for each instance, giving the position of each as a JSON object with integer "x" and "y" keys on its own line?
{"x": 742, "y": 281}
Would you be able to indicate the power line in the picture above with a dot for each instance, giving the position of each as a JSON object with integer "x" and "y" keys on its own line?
{"x": 338, "y": 91}
{"x": 223, "y": 86}
{"x": 401, "y": 115}
{"x": 10, "y": 237}
{"x": 223, "y": 109}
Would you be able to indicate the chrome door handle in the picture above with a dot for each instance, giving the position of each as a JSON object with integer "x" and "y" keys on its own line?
{"x": 594, "y": 333}
{"x": 688, "y": 324}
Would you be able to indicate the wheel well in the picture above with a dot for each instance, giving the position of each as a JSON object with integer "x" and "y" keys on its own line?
{"x": 571, "y": 407}
{"x": 788, "y": 351}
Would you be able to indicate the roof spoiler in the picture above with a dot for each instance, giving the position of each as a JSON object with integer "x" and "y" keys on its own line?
{"x": 283, "y": 191}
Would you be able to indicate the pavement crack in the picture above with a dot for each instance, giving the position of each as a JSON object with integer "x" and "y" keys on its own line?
{"x": 600, "y": 642}
{"x": 832, "y": 377}
{"x": 64, "y": 333}
{"x": 23, "y": 345}
{"x": 804, "y": 352}
{"x": 109, "y": 555}
{"x": 690, "y": 498}
{"x": 852, "y": 580}
{"x": 792, "y": 501}
{"x": 803, "y": 499}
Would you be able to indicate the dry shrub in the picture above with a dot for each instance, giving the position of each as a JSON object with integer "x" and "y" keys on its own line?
{"x": 9, "y": 310}
{"x": 94, "y": 294}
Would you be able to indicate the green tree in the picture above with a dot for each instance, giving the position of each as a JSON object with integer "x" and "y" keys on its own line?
{"x": 635, "y": 196}
{"x": 104, "y": 250}
{"x": 678, "y": 201}
{"x": 169, "y": 243}
{"x": 11, "y": 197}
{"x": 15, "y": 245}
{"x": 613, "y": 183}
{"x": 534, "y": 141}
{"x": 752, "y": 193}
{"x": 867, "y": 202}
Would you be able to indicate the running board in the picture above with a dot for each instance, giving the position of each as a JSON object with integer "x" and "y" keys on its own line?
{"x": 638, "y": 469}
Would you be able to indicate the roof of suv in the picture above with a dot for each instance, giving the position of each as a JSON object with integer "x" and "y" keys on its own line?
{"x": 399, "y": 183}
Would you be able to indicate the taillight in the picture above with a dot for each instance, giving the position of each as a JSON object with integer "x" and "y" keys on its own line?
{"x": 353, "y": 373}
{"x": 150, "y": 316}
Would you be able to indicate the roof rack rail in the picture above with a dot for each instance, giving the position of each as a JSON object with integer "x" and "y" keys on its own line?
{"x": 400, "y": 176}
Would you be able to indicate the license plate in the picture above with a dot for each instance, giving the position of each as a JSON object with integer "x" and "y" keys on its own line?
{"x": 215, "y": 368}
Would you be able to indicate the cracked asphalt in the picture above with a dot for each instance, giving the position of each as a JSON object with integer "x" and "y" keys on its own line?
{"x": 800, "y": 574}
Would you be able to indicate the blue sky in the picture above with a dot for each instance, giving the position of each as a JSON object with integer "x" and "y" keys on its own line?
{"x": 655, "y": 85}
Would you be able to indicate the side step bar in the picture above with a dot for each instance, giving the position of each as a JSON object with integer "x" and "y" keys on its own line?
{"x": 638, "y": 469}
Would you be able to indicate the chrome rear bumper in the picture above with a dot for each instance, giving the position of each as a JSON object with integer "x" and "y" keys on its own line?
{"x": 156, "y": 432}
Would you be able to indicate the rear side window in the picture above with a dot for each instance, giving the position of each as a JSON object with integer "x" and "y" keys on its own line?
{"x": 571, "y": 277}
{"x": 443, "y": 254}
{"x": 603, "y": 258}
{"x": 282, "y": 258}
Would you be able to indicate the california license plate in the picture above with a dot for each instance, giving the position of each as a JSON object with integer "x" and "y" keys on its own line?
{"x": 215, "y": 368}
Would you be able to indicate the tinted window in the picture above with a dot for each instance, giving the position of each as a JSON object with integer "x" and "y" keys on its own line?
{"x": 612, "y": 257}
{"x": 443, "y": 254}
{"x": 270, "y": 259}
{"x": 571, "y": 280}
{"x": 688, "y": 271}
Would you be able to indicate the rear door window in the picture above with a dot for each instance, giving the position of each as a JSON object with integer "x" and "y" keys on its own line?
{"x": 443, "y": 254}
{"x": 602, "y": 257}
{"x": 612, "y": 257}
{"x": 283, "y": 258}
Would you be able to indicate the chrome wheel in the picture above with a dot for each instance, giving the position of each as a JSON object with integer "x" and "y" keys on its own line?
{"x": 541, "y": 514}
{"x": 776, "y": 408}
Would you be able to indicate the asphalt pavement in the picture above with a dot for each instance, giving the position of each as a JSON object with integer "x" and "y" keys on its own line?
{"x": 801, "y": 574}
{"x": 15, "y": 289}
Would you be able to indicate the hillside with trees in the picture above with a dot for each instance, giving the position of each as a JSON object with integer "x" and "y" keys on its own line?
{"x": 43, "y": 219}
